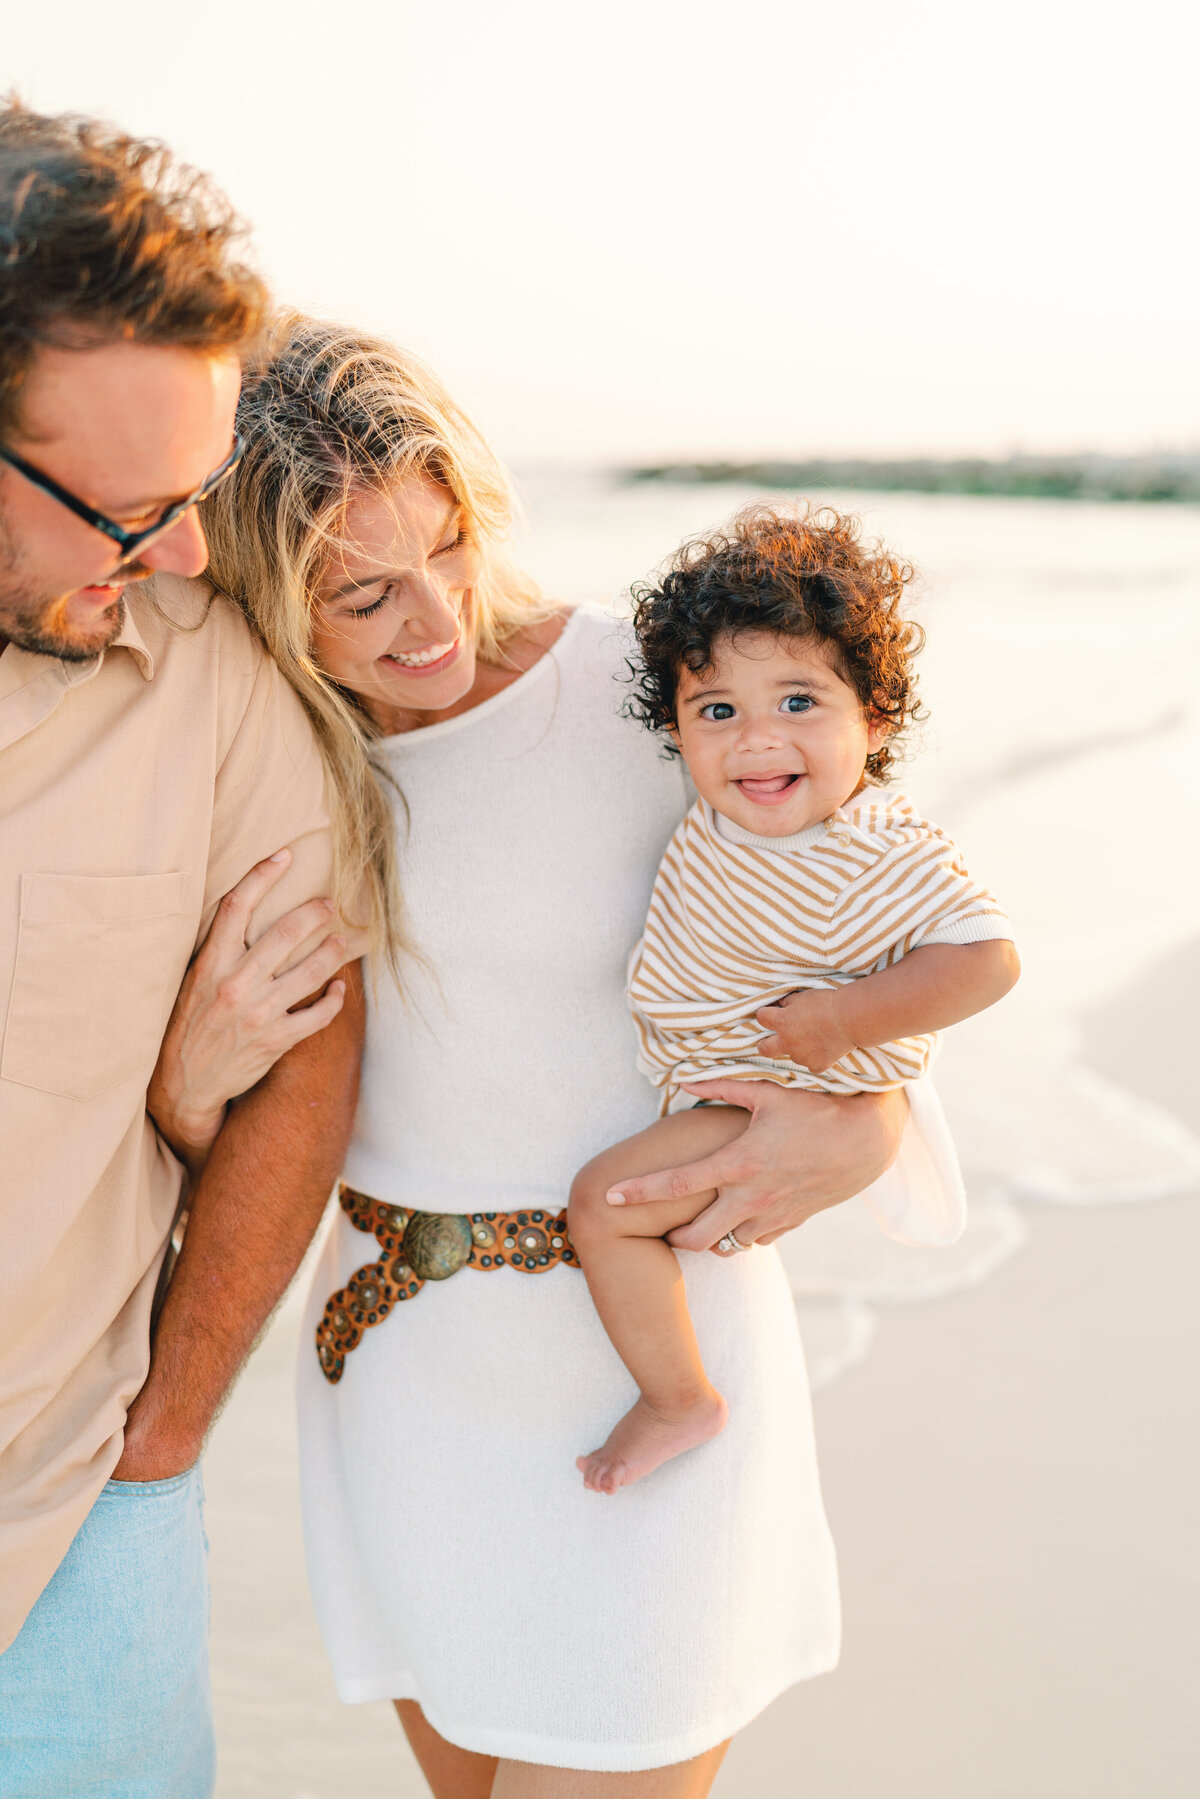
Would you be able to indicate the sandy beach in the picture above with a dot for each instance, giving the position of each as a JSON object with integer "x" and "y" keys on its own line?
{"x": 1012, "y": 1479}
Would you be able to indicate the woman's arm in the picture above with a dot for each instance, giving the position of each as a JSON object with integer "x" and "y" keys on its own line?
{"x": 233, "y": 1019}
{"x": 927, "y": 990}
{"x": 801, "y": 1152}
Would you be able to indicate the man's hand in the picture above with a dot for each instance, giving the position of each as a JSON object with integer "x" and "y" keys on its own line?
{"x": 806, "y": 1027}
{"x": 800, "y": 1153}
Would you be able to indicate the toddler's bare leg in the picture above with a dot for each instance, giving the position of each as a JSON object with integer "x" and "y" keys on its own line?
{"x": 636, "y": 1284}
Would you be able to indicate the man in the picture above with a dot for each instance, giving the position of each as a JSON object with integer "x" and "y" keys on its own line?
{"x": 146, "y": 762}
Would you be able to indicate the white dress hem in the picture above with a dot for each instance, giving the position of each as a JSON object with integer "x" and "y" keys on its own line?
{"x": 586, "y": 1757}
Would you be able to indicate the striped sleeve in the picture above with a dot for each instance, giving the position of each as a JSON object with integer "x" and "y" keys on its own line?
{"x": 916, "y": 890}
{"x": 974, "y": 927}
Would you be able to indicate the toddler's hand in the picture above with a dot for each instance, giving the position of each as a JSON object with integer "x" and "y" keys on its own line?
{"x": 804, "y": 1028}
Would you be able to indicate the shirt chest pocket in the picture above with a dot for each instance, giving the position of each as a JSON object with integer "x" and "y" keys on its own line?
{"x": 99, "y": 960}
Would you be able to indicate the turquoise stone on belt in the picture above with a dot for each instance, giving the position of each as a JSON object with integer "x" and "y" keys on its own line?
{"x": 437, "y": 1244}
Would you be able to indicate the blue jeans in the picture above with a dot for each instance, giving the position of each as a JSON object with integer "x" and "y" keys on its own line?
{"x": 105, "y": 1692}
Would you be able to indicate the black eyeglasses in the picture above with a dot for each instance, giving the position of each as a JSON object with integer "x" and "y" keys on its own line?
{"x": 128, "y": 542}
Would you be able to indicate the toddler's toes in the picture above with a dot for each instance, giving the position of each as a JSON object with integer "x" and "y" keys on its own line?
{"x": 597, "y": 1474}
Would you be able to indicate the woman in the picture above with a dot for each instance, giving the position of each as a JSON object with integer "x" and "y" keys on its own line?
{"x": 538, "y": 1639}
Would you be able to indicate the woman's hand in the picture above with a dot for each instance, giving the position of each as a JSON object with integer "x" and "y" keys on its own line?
{"x": 801, "y": 1152}
{"x": 233, "y": 1018}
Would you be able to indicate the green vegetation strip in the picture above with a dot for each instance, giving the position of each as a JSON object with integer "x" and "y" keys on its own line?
{"x": 1151, "y": 478}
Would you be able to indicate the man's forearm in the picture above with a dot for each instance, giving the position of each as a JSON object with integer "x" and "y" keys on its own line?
{"x": 251, "y": 1218}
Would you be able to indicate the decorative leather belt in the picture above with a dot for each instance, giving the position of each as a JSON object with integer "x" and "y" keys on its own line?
{"x": 428, "y": 1246}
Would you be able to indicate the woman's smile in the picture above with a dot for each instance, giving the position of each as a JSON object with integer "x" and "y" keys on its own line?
{"x": 428, "y": 661}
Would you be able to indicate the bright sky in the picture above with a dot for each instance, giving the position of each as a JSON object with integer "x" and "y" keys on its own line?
{"x": 671, "y": 227}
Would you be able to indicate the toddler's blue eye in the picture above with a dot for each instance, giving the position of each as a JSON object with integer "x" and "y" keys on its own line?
{"x": 717, "y": 710}
{"x": 797, "y": 702}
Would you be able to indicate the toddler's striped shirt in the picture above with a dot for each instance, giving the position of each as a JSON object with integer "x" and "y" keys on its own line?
{"x": 737, "y": 921}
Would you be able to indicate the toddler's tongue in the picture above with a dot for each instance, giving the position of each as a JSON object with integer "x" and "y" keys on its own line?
{"x": 765, "y": 786}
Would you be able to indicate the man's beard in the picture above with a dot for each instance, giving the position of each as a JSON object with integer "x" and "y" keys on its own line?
{"x": 45, "y": 630}
{"x": 41, "y": 626}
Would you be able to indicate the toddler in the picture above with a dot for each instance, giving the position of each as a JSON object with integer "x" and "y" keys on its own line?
{"x": 807, "y": 926}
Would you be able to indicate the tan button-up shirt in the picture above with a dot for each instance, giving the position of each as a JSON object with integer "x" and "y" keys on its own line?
{"x": 135, "y": 790}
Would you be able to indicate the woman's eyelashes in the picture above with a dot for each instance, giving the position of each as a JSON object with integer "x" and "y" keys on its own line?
{"x": 369, "y": 611}
{"x": 454, "y": 543}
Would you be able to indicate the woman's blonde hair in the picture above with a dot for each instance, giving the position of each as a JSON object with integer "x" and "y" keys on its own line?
{"x": 326, "y": 413}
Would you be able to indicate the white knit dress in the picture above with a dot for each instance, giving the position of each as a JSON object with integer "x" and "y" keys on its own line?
{"x": 454, "y": 1554}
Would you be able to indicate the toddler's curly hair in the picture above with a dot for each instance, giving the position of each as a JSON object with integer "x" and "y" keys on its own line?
{"x": 797, "y": 572}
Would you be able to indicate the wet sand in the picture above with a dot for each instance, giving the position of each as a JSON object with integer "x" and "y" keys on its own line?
{"x": 1013, "y": 1481}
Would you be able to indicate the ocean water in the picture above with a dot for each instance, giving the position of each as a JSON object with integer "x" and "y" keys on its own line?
{"x": 1062, "y": 751}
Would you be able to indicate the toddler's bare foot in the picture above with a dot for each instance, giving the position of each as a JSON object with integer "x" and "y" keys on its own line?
{"x": 647, "y": 1436}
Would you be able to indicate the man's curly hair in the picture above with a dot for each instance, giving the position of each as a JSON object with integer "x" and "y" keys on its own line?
{"x": 105, "y": 237}
{"x": 796, "y": 573}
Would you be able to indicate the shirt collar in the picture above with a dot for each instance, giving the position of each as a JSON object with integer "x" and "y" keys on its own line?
{"x": 734, "y": 833}
{"x": 130, "y": 638}
{"x": 32, "y": 686}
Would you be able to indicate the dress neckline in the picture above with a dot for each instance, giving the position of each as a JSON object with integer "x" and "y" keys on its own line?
{"x": 405, "y": 740}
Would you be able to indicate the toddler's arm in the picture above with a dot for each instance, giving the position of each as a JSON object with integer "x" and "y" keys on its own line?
{"x": 930, "y": 988}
